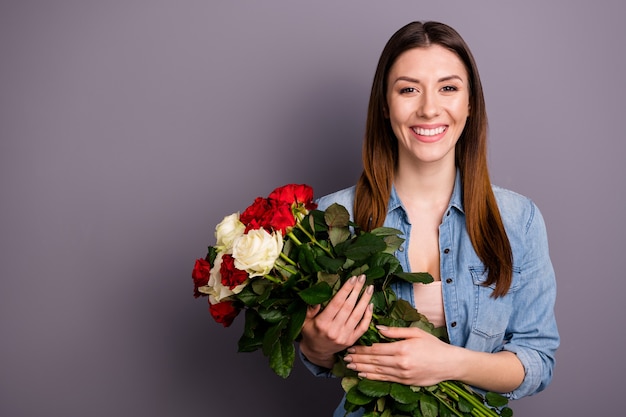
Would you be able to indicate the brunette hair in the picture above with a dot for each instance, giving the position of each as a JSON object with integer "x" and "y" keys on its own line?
{"x": 380, "y": 154}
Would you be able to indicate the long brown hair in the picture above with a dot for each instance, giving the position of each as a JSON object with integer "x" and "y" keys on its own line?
{"x": 380, "y": 155}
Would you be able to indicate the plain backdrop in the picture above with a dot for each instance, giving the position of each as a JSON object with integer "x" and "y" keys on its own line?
{"x": 129, "y": 128}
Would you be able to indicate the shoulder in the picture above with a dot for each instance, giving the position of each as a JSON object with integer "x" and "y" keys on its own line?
{"x": 343, "y": 197}
{"x": 517, "y": 210}
{"x": 524, "y": 224}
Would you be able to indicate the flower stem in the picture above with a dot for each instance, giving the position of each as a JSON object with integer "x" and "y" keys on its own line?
{"x": 479, "y": 410}
{"x": 285, "y": 268}
{"x": 287, "y": 259}
{"x": 312, "y": 239}
{"x": 273, "y": 279}
{"x": 443, "y": 401}
{"x": 294, "y": 238}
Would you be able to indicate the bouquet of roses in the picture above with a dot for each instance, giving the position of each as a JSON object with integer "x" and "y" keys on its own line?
{"x": 282, "y": 255}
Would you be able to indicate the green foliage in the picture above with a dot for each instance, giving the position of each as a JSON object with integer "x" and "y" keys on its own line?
{"x": 319, "y": 255}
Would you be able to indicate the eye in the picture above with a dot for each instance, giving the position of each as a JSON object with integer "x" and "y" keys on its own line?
{"x": 407, "y": 90}
{"x": 449, "y": 88}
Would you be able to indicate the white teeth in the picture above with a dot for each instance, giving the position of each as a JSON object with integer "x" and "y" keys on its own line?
{"x": 429, "y": 132}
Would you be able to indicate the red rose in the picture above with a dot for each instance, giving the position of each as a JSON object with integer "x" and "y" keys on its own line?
{"x": 294, "y": 194}
{"x": 200, "y": 275}
{"x": 268, "y": 214}
{"x": 253, "y": 216}
{"x": 224, "y": 312}
{"x": 280, "y": 217}
{"x": 231, "y": 276}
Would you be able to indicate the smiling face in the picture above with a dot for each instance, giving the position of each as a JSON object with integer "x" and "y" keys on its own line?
{"x": 427, "y": 104}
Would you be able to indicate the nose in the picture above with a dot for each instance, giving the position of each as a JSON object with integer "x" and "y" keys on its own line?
{"x": 428, "y": 106}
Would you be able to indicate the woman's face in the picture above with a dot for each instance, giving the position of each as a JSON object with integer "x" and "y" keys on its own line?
{"x": 427, "y": 104}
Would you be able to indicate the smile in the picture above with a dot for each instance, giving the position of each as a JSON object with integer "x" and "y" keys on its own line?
{"x": 429, "y": 132}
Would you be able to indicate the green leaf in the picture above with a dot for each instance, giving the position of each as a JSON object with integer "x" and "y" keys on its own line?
{"x": 249, "y": 344}
{"x": 248, "y": 296}
{"x": 444, "y": 411}
{"x": 337, "y": 215}
{"x": 428, "y": 406}
{"x": 393, "y": 244}
{"x": 282, "y": 357}
{"x": 370, "y": 337}
{"x": 374, "y": 388}
{"x": 331, "y": 279}
{"x": 316, "y": 294}
{"x": 331, "y": 265}
{"x": 404, "y": 395}
{"x": 379, "y": 301}
{"x": 496, "y": 400}
{"x": 211, "y": 255}
{"x": 365, "y": 246}
{"x": 375, "y": 272}
{"x": 385, "y": 231}
{"x": 271, "y": 336}
{"x": 306, "y": 259}
{"x": 296, "y": 321}
{"x": 403, "y": 310}
{"x": 336, "y": 235}
{"x": 506, "y": 412}
{"x": 349, "y": 382}
{"x": 273, "y": 315}
{"x": 465, "y": 406}
{"x": 356, "y": 397}
{"x": 423, "y": 277}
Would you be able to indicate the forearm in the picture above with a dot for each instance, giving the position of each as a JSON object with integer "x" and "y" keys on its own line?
{"x": 498, "y": 372}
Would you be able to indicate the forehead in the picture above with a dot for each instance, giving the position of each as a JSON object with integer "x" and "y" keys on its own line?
{"x": 432, "y": 61}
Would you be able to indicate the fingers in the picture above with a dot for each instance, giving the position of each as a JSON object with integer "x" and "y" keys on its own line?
{"x": 341, "y": 305}
{"x": 312, "y": 311}
{"x": 400, "y": 332}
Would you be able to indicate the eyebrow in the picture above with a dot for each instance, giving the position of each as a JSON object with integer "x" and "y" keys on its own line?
{"x": 440, "y": 80}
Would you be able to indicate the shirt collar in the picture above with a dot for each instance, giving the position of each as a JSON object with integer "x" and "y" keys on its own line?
{"x": 456, "y": 200}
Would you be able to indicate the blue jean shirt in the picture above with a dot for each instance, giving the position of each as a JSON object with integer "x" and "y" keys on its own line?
{"x": 522, "y": 322}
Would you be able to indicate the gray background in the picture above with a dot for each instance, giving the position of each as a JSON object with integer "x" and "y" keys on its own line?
{"x": 128, "y": 129}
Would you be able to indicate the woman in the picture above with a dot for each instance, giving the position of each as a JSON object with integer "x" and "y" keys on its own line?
{"x": 425, "y": 173}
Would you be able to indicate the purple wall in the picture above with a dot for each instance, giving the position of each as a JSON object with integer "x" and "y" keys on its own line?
{"x": 128, "y": 129}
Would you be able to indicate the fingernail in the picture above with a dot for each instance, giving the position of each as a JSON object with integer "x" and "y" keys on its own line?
{"x": 347, "y": 358}
{"x": 351, "y": 350}
{"x": 370, "y": 307}
{"x": 352, "y": 280}
{"x": 381, "y": 327}
{"x": 351, "y": 366}
{"x": 370, "y": 289}
{"x": 361, "y": 278}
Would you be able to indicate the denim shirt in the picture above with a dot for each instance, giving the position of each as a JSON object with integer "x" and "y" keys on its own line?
{"x": 523, "y": 321}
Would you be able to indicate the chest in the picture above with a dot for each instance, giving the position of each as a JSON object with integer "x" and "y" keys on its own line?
{"x": 423, "y": 245}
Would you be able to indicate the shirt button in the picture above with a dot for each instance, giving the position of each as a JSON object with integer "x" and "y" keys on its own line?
{"x": 453, "y": 324}
{"x": 446, "y": 251}
{"x": 448, "y": 280}
{"x": 401, "y": 248}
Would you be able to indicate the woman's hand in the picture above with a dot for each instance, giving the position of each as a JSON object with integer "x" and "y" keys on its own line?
{"x": 419, "y": 359}
{"x": 346, "y": 317}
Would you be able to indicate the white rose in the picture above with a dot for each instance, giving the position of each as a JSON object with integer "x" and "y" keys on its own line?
{"x": 256, "y": 251}
{"x": 229, "y": 229}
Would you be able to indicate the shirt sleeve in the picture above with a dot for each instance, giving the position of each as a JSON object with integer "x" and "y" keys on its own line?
{"x": 532, "y": 334}
{"x": 315, "y": 369}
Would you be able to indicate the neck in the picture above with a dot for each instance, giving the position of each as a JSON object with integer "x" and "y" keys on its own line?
{"x": 427, "y": 184}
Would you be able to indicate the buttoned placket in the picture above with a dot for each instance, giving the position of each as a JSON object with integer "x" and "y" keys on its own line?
{"x": 447, "y": 270}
